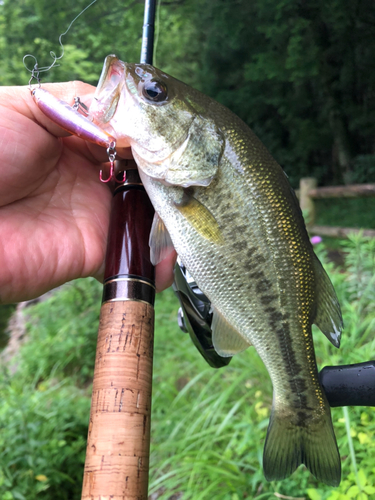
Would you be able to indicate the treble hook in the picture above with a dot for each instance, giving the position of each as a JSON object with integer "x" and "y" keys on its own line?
{"x": 111, "y": 173}
{"x": 122, "y": 180}
{"x": 111, "y": 151}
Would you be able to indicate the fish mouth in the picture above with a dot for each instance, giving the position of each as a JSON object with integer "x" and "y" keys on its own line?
{"x": 114, "y": 77}
{"x": 108, "y": 91}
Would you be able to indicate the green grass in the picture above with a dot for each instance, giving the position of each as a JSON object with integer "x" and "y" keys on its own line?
{"x": 6, "y": 312}
{"x": 208, "y": 436}
{"x": 346, "y": 212}
{"x": 208, "y": 426}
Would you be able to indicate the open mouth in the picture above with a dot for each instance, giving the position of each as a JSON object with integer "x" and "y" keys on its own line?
{"x": 108, "y": 91}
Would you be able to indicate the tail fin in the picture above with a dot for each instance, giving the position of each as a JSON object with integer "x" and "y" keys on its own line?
{"x": 288, "y": 445}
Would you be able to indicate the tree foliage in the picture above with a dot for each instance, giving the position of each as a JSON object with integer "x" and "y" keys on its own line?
{"x": 301, "y": 73}
{"x": 34, "y": 26}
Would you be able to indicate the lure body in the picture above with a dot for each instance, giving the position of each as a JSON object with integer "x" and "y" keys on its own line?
{"x": 71, "y": 120}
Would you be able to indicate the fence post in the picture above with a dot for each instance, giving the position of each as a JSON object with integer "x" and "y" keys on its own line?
{"x": 306, "y": 184}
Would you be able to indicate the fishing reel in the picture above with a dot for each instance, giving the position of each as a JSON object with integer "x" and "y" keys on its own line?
{"x": 345, "y": 385}
{"x": 195, "y": 315}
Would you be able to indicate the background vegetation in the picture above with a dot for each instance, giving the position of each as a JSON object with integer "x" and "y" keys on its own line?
{"x": 208, "y": 426}
{"x": 301, "y": 74}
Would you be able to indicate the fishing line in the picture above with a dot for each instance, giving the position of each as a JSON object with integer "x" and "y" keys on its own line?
{"x": 36, "y": 70}
{"x": 157, "y": 30}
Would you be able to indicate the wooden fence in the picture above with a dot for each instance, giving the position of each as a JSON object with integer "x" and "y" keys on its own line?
{"x": 308, "y": 192}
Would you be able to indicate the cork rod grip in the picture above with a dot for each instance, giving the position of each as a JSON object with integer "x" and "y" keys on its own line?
{"x": 117, "y": 454}
{"x": 117, "y": 458}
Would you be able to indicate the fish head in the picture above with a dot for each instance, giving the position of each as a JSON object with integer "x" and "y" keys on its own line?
{"x": 169, "y": 129}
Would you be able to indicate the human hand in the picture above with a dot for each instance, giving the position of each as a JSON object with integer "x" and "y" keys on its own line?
{"x": 54, "y": 212}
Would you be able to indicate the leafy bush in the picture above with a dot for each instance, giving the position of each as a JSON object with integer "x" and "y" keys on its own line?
{"x": 6, "y": 312}
{"x": 364, "y": 169}
{"x": 62, "y": 334}
{"x": 42, "y": 439}
{"x": 346, "y": 212}
{"x": 208, "y": 426}
{"x": 209, "y": 431}
{"x": 45, "y": 408}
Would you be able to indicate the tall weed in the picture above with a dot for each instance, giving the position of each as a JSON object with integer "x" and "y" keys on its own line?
{"x": 208, "y": 426}
{"x": 44, "y": 406}
{"x": 62, "y": 334}
{"x": 43, "y": 430}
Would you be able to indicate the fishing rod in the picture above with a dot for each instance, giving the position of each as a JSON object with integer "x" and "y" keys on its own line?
{"x": 118, "y": 443}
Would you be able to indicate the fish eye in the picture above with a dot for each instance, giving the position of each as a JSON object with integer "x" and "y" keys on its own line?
{"x": 155, "y": 91}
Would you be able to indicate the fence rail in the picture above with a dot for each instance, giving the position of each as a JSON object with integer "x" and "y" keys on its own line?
{"x": 309, "y": 191}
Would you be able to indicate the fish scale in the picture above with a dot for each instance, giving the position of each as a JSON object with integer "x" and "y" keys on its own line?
{"x": 235, "y": 222}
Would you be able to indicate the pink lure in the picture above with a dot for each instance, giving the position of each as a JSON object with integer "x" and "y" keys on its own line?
{"x": 71, "y": 120}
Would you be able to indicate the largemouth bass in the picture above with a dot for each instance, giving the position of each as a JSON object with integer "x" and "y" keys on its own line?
{"x": 227, "y": 208}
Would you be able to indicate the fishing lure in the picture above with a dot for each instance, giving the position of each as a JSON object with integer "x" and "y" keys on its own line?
{"x": 73, "y": 119}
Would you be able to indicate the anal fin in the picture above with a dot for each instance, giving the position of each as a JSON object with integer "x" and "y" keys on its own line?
{"x": 226, "y": 339}
{"x": 328, "y": 313}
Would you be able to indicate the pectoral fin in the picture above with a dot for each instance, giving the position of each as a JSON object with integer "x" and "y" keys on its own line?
{"x": 196, "y": 161}
{"x": 226, "y": 340}
{"x": 200, "y": 218}
{"x": 160, "y": 241}
{"x": 328, "y": 314}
